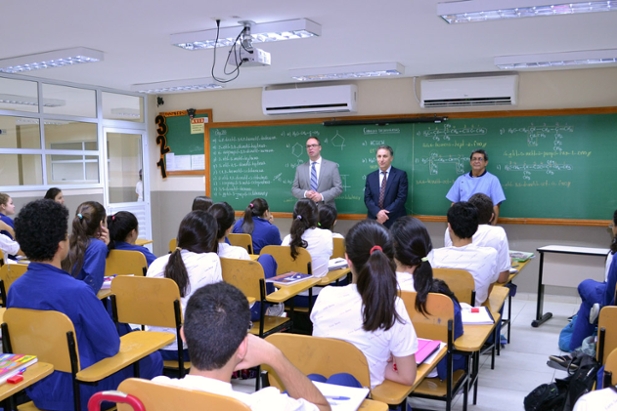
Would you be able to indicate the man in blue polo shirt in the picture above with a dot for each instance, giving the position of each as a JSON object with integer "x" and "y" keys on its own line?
{"x": 478, "y": 180}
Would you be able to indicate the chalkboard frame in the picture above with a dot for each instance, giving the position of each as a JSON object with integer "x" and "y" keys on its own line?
{"x": 167, "y": 147}
{"x": 383, "y": 119}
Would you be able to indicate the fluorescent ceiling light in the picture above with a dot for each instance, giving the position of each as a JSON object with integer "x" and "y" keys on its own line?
{"x": 550, "y": 60}
{"x": 260, "y": 33}
{"x": 469, "y": 11}
{"x": 51, "y": 59}
{"x": 347, "y": 72}
{"x": 30, "y": 101}
{"x": 173, "y": 86}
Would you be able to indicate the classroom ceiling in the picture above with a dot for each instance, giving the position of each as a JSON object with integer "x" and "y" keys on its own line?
{"x": 134, "y": 35}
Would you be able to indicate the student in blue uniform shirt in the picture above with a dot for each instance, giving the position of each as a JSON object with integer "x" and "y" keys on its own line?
{"x": 257, "y": 222}
{"x": 7, "y": 208}
{"x": 88, "y": 245}
{"x": 41, "y": 230}
{"x": 123, "y": 231}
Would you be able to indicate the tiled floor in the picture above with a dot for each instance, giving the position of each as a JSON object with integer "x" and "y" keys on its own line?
{"x": 522, "y": 364}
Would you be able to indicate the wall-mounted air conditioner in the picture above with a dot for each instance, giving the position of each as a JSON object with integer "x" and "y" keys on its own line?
{"x": 469, "y": 91}
{"x": 327, "y": 99}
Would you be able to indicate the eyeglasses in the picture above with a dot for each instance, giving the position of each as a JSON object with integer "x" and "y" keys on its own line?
{"x": 312, "y": 145}
{"x": 477, "y": 159}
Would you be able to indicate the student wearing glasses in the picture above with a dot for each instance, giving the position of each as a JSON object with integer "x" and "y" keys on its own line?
{"x": 318, "y": 179}
{"x": 478, "y": 180}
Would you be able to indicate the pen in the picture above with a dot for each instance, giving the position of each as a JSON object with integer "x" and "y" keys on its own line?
{"x": 22, "y": 370}
{"x": 339, "y": 398}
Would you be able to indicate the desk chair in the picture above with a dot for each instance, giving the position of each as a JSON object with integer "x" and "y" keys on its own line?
{"x": 338, "y": 250}
{"x": 302, "y": 264}
{"x": 607, "y": 332}
{"x": 158, "y": 397}
{"x": 241, "y": 240}
{"x": 8, "y": 274}
{"x": 122, "y": 262}
{"x": 325, "y": 356}
{"x": 610, "y": 370}
{"x": 461, "y": 283}
{"x": 248, "y": 277}
{"x": 437, "y": 324}
{"x": 173, "y": 243}
{"x": 1, "y": 258}
{"x": 150, "y": 301}
{"x": 319, "y": 355}
{"x": 50, "y": 335}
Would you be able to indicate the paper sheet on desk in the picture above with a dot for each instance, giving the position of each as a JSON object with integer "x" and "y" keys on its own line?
{"x": 342, "y": 398}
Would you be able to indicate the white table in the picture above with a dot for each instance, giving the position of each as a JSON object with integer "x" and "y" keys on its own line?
{"x": 567, "y": 266}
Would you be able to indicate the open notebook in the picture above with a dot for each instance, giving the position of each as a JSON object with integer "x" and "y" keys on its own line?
{"x": 425, "y": 349}
{"x": 342, "y": 398}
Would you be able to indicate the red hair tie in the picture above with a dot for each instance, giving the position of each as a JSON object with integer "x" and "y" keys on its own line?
{"x": 375, "y": 248}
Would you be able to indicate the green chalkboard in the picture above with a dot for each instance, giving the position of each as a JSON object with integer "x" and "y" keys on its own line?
{"x": 550, "y": 166}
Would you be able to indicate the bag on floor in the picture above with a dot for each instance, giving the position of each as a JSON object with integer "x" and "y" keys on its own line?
{"x": 563, "y": 393}
{"x": 565, "y": 335}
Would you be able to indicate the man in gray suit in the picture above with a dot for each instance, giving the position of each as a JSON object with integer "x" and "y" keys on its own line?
{"x": 317, "y": 179}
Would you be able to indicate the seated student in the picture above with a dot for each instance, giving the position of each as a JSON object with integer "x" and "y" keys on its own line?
{"x": 368, "y": 313}
{"x": 489, "y": 235}
{"x": 225, "y": 216}
{"x": 7, "y": 208}
{"x": 192, "y": 265}
{"x": 412, "y": 244}
{"x": 594, "y": 296}
{"x": 215, "y": 323}
{"x": 123, "y": 231}
{"x": 481, "y": 262}
{"x": 88, "y": 245}
{"x": 257, "y": 222}
{"x": 55, "y": 194}
{"x": 7, "y": 244}
{"x": 41, "y": 229}
{"x": 327, "y": 219}
{"x": 598, "y": 400}
{"x": 202, "y": 203}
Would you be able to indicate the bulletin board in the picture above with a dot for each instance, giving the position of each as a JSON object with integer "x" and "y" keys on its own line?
{"x": 180, "y": 136}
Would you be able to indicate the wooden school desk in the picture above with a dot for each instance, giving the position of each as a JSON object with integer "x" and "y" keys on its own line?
{"x": 566, "y": 266}
{"x": 519, "y": 266}
{"x": 33, "y": 373}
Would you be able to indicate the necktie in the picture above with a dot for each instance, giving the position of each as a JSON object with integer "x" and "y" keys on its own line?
{"x": 313, "y": 176}
{"x": 382, "y": 189}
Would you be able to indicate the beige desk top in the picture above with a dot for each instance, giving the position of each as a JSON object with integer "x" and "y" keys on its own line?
{"x": 34, "y": 373}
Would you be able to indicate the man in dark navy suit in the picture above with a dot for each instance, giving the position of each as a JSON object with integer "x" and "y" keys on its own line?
{"x": 385, "y": 192}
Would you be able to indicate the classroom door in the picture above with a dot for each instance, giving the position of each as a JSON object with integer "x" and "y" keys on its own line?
{"x": 127, "y": 181}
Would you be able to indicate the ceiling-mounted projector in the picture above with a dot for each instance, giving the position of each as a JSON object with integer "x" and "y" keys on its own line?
{"x": 254, "y": 57}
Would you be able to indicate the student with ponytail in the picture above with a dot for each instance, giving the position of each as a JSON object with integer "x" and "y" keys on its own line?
{"x": 123, "y": 231}
{"x": 257, "y": 222}
{"x": 88, "y": 245}
{"x": 368, "y": 313}
{"x": 192, "y": 265}
{"x": 412, "y": 244}
{"x": 225, "y": 216}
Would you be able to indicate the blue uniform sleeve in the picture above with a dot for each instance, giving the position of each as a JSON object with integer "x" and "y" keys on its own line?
{"x": 273, "y": 236}
{"x": 454, "y": 194}
{"x": 238, "y": 226}
{"x": 458, "y": 320}
{"x": 98, "y": 327}
{"x": 93, "y": 270}
{"x": 149, "y": 256}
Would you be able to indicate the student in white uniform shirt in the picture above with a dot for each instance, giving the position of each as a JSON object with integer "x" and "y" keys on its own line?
{"x": 192, "y": 265}
{"x": 489, "y": 235}
{"x": 305, "y": 234}
{"x": 599, "y": 400}
{"x": 7, "y": 245}
{"x": 215, "y": 324}
{"x": 481, "y": 262}
{"x": 368, "y": 313}
{"x": 225, "y": 218}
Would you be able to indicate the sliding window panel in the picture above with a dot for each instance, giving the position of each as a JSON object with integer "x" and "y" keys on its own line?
{"x": 123, "y": 107}
{"x": 70, "y": 101}
{"x": 21, "y": 169}
{"x": 18, "y": 95}
{"x": 72, "y": 169}
{"x": 71, "y": 135}
{"x": 19, "y": 132}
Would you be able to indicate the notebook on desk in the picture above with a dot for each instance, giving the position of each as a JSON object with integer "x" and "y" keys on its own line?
{"x": 476, "y": 315}
{"x": 342, "y": 398}
{"x": 13, "y": 364}
{"x": 291, "y": 277}
{"x": 336, "y": 264}
{"x": 426, "y": 348}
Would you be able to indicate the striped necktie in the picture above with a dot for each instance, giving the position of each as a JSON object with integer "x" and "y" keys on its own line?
{"x": 313, "y": 176}
{"x": 382, "y": 189}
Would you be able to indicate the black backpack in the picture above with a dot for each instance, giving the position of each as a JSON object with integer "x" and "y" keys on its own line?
{"x": 563, "y": 393}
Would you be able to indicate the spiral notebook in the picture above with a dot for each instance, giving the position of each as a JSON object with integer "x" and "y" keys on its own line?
{"x": 425, "y": 349}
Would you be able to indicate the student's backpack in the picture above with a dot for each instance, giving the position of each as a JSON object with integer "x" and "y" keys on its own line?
{"x": 563, "y": 393}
